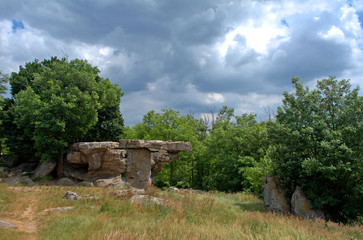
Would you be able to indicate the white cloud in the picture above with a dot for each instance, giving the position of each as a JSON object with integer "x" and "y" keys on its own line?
{"x": 212, "y": 98}
{"x": 334, "y": 33}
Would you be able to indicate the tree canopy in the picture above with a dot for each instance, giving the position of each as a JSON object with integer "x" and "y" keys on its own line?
{"x": 317, "y": 145}
{"x": 56, "y": 103}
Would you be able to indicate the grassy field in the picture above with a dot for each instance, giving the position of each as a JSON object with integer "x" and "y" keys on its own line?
{"x": 185, "y": 216}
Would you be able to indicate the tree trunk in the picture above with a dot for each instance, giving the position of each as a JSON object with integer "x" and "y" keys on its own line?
{"x": 60, "y": 166}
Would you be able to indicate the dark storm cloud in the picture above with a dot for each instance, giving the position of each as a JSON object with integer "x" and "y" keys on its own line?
{"x": 168, "y": 53}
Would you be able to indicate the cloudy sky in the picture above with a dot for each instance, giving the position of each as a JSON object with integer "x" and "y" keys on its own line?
{"x": 191, "y": 55}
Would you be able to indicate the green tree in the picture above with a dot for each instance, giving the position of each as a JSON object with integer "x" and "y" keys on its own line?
{"x": 173, "y": 126}
{"x": 235, "y": 149}
{"x": 317, "y": 145}
{"x": 3, "y": 80}
{"x": 57, "y": 103}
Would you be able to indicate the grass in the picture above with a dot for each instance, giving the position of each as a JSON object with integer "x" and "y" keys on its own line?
{"x": 185, "y": 216}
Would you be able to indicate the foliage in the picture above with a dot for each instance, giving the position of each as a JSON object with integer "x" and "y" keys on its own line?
{"x": 171, "y": 125}
{"x": 317, "y": 144}
{"x": 235, "y": 149}
{"x": 3, "y": 80}
{"x": 56, "y": 103}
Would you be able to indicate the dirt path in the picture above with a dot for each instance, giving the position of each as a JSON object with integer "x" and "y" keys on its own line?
{"x": 25, "y": 221}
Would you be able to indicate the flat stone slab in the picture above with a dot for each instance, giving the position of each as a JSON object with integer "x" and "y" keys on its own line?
{"x": 4, "y": 224}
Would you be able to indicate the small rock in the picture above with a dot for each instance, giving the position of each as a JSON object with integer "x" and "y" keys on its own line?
{"x": 65, "y": 182}
{"x": 44, "y": 168}
{"x": 85, "y": 184}
{"x": 24, "y": 180}
{"x": 72, "y": 195}
{"x": 127, "y": 193}
{"x": 60, "y": 209}
{"x": 91, "y": 197}
{"x": 144, "y": 199}
{"x": 173, "y": 189}
{"x": 4, "y": 224}
{"x": 115, "y": 182}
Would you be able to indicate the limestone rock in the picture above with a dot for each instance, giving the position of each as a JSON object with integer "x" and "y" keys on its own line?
{"x": 145, "y": 199}
{"x": 173, "y": 189}
{"x": 65, "y": 182}
{"x": 72, "y": 195}
{"x": 44, "y": 168}
{"x": 301, "y": 206}
{"x": 127, "y": 193}
{"x": 85, "y": 184}
{"x": 59, "y": 209}
{"x": 274, "y": 196}
{"x": 115, "y": 182}
{"x": 136, "y": 160}
{"x": 4, "y": 224}
{"x": 23, "y": 180}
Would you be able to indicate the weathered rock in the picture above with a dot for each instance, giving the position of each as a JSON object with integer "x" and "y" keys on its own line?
{"x": 4, "y": 172}
{"x": 137, "y": 160}
{"x": 301, "y": 206}
{"x": 85, "y": 184}
{"x": 22, "y": 180}
{"x": 26, "y": 168}
{"x": 146, "y": 199}
{"x": 72, "y": 195}
{"x": 5, "y": 224}
{"x": 10, "y": 160}
{"x": 44, "y": 168}
{"x": 65, "y": 182}
{"x": 173, "y": 189}
{"x": 127, "y": 193}
{"x": 59, "y": 209}
{"x": 274, "y": 196}
{"x": 115, "y": 182}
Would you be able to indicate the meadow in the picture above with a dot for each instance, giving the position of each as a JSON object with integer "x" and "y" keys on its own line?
{"x": 213, "y": 215}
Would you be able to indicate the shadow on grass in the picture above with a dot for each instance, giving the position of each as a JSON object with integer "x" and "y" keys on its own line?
{"x": 251, "y": 206}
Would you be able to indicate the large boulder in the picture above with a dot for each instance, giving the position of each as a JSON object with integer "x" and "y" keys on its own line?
{"x": 21, "y": 180}
{"x": 44, "y": 168}
{"x": 274, "y": 196}
{"x": 136, "y": 160}
{"x": 9, "y": 160}
{"x": 301, "y": 206}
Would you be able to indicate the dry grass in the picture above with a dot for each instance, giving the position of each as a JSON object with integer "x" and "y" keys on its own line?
{"x": 186, "y": 216}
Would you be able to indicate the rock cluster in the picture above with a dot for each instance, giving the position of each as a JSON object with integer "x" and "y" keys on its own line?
{"x": 135, "y": 160}
{"x": 275, "y": 200}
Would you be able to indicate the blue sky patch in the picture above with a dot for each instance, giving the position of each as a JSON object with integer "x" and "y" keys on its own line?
{"x": 17, "y": 25}
{"x": 284, "y": 22}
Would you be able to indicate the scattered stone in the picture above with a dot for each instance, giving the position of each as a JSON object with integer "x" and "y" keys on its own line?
{"x": 72, "y": 195}
{"x": 127, "y": 193}
{"x": 85, "y": 184}
{"x": 145, "y": 199}
{"x": 59, "y": 209}
{"x": 4, "y": 224}
{"x": 301, "y": 206}
{"x": 91, "y": 197}
{"x": 173, "y": 189}
{"x": 25, "y": 168}
{"x": 44, "y": 168}
{"x": 274, "y": 196}
{"x": 10, "y": 160}
{"x": 115, "y": 182}
{"x": 65, "y": 182}
{"x": 23, "y": 180}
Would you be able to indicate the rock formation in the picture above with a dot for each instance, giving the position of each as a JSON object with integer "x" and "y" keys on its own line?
{"x": 301, "y": 206}
{"x": 274, "y": 196}
{"x": 135, "y": 160}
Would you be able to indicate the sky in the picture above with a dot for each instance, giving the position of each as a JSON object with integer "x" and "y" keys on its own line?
{"x": 193, "y": 56}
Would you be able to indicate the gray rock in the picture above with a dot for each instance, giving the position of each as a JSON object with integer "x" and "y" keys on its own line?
{"x": 44, "y": 168}
{"x": 274, "y": 196}
{"x": 115, "y": 182}
{"x": 4, "y": 173}
{"x": 85, "y": 184}
{"x": 23, "y": 180}
{"x": 59, "y": 209}
{"x": 127, "y": 193}
{"x": 146, "y": 199}
{"x": 4, "y": 224}
{"x": 65, "y": 182}
{"x": 72, "y": 195}
{"x": 301, "y": 206}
